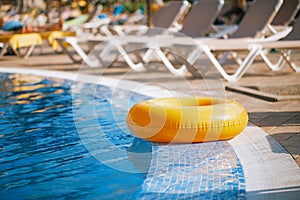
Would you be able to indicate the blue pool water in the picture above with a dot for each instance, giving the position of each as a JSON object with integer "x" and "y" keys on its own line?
{"x": 41, "y": 155}
{"x": 50, "y": 147}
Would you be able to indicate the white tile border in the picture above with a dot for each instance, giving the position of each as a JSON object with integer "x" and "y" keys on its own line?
{"x": 148, "y": 90}
{"x": 266, "y": 164}
{"x": 269, "y": 169}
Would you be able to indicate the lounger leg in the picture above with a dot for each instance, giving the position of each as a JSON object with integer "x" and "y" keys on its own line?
{"x": 224, "y": 57}
{"x": 148, "y": 55}
{"x": 190, "y": 61}
{"x": 275, "y": 67}
{"x": 18, "y": 52}
{"x": 177, "y": 72}
{"x": 254, "y": 51}
{"x": 106, "y": 50}
{"x": 233, "y": 55}
{"x": 78, "y": 49}
{"x": 187, "y": 66}
{"x": 242, "y": 68}
{"x": 73, "y": 42}
{"x": 112, "y": 50}
{"x": 105, "y": 53}
{"x": 105, "y": 30}
{"x": 60, "y": 42}
{"x": 4, "y": 49}
{"x": 132, "y": 65}
{"x": 194, "y": 55}
{"x": 29, "y": 51}
{"x": 287, "y": 58}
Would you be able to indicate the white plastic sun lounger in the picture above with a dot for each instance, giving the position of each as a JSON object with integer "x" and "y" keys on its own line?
{"x": 284, "y": 46}
{"x": 161, "y": 18}
{"x": 285, "y": 16}
{"x": 208, "y": 47}
{"x": 164, "y": 18}
{"x": 281, "y": 23}
{"x": 248, "y": 31}
{"x": 254, "y": 47}
{"x": 251, "y": 28}
{"x": 204, "y": 11}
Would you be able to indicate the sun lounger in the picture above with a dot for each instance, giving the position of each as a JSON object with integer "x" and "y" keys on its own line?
{"x": 205, "y": 12}
{"x": 200, "y": 18}
{"x": 164, "y": 18}
{"x": 251, "y": 28}
{"x": 93, "y": 27}
{"x": 68, "y": 25}
{"x": 18, "y": 41}
{"x": 50, "y": 37}
{"x": 75, "y": 25}
{"x": 255, "y": 47}
{"x": 286, "y": 14}
{"x": 281, "y": 23}
{"x": 284, "y": 46}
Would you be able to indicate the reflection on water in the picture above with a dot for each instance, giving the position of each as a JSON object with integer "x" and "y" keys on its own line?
{"x": 41, "y": 155}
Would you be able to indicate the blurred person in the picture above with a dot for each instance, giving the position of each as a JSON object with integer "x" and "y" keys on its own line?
{"x": 235, "y": 14}
{"x": 66, "y": 13}
{"x": 70, "y": 13}
{"x": 9, "y": 25}
{"x": 117, "y": 14}
{"x": 156, "y": 5}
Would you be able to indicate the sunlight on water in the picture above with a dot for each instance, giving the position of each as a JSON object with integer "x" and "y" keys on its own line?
{"x": 41, "y": 155}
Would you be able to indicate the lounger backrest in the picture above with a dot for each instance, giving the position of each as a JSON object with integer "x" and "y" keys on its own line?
{"x": 95, "y": 12}
{"x": 200, "y": 18}
{"x": 258, "y": 16}
{"x": 166, "y": 16}
{"x": 295, "y": 33}
{"x": 225, "y": 8}
{"x": 287, "y": 12}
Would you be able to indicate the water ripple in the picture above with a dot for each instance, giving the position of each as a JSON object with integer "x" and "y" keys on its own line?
{"x": 41, "y": 155}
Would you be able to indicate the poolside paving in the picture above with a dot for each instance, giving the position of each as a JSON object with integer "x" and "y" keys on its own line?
{"x": 281, "y": 120}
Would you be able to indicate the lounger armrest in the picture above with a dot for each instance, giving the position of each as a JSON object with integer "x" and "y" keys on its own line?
{"x": 276, "y": 36}
{"x": 126, "y": 29}
{"x": 224, "y": 31}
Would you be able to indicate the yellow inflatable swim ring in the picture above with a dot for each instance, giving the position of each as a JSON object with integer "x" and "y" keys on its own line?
{"x": 187, "y": 120}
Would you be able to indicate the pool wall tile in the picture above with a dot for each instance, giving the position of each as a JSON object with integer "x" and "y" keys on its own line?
{"x": 188, "y": 171}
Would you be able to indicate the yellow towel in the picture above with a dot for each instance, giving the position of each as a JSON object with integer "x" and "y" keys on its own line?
{"x": 57, "y": 34}
{"x": 25, "y": 40}
{"x": 5, "y": 37}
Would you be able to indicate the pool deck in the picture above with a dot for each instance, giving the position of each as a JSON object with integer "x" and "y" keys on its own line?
{"x": 279, "y": 119}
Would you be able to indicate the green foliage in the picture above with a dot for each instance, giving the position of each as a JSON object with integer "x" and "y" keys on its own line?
{"x": 130, "y": 7}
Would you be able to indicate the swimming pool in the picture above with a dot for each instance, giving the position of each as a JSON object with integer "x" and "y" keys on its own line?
{"x": 46, "y": 154}
{"x": 41, "y": 153}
